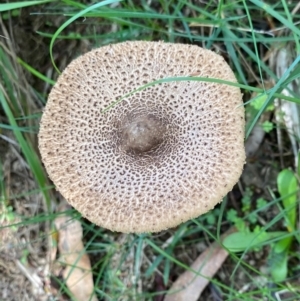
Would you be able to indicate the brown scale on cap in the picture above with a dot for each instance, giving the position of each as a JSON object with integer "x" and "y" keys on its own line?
{"x": 162, "y": 155}
{"x": 142, "y": 134}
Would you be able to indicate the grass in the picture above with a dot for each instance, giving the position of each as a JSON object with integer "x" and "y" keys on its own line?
{"x": 142, "y": 267}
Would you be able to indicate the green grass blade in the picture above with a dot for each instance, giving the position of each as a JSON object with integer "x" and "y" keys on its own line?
{"x": 35, "y": 72}
{"x": 16, "y": 5}
{"x": 30, "y": 155}
{"x": 268, "y": 9}
{"x": 75, "y": 17}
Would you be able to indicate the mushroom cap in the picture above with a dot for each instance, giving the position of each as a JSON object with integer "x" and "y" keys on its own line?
{"x": 162, "y": 155}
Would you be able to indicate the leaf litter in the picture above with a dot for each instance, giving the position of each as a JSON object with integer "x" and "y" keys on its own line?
{"x": 73, "y": 263}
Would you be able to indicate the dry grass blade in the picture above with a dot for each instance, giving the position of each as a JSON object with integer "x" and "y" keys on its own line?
{"x": 287, "y": 112}
{"x": 190, "y": 286}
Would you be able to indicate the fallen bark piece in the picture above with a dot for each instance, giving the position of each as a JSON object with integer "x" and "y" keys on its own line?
{"x": 190, "y": 285}
{"x": 77, "y": 273}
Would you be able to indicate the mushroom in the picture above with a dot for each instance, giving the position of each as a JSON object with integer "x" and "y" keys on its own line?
{"x": 162, "y": 155}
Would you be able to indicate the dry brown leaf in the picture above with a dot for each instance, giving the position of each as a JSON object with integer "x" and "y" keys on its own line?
{"x": 189, "y": 285}
{"x": 77, "y": 274}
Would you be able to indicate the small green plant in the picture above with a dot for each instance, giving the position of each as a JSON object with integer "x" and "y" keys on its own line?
{"x": 250, "y": 220}
{"x": 212, "y": 216}
{"x": 278, "y": 261}
{"x": 280, "y": 241}
{"x": 254, "y": 107}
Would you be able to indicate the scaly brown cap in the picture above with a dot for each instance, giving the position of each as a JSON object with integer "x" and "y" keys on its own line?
{"x": 161, "y": 156}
